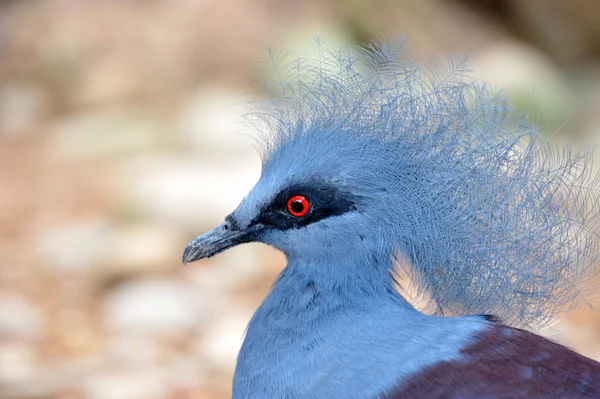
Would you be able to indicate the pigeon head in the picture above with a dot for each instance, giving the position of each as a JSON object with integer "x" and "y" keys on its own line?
{"x": 313, "y": 201}
{"x": 370, "y": 157}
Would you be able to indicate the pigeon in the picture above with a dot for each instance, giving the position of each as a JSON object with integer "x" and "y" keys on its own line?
{"x": 429, "y": 233}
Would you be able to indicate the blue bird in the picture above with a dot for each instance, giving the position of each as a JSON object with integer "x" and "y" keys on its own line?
{"x": 386, "y": 183}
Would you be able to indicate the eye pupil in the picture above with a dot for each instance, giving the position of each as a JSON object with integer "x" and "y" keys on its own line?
{"x": 298, "y": 206}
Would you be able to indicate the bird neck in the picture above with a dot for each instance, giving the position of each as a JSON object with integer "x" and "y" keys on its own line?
{"x": 308, "y": 291}
{"x": 313, "y": 304}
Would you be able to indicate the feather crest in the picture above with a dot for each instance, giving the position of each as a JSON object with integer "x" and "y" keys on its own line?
{"x": 495, "y": 219}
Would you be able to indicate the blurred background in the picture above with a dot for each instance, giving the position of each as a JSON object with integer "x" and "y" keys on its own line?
{"x": 120, "y": 141}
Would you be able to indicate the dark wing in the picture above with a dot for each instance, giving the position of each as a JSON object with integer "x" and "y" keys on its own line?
{"x": 507, "y": 363}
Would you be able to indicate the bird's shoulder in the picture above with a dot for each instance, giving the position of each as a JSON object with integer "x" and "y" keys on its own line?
{"x": 506, "y": 363}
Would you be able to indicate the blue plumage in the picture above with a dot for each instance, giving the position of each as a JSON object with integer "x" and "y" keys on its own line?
{"x": 491, "y": 216}
{"x": 409, "y": 171}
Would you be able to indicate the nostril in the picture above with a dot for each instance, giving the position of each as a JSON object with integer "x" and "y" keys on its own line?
{"x": 230, "y": 223}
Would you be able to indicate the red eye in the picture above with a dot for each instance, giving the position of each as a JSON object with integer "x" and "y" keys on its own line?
{"x": 298, "y": 206}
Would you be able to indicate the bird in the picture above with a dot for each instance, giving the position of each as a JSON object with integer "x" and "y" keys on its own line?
{"x": 430, "y": 231}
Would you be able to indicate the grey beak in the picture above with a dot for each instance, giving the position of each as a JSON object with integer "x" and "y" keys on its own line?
{"x": 224, "y": 236}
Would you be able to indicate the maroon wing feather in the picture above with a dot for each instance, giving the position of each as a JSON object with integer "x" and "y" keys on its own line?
{"x": 507, "y": 363}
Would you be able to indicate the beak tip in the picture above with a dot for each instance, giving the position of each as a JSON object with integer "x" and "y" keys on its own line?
{"x": 187, "y": 255}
